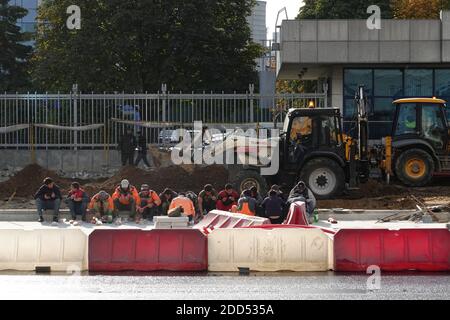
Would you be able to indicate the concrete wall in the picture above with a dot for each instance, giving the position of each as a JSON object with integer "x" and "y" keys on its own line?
{"x": 309, "y": 42}
{"x": 65, "y": 160}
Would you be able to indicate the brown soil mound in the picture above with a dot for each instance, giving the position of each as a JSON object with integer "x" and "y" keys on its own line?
{"x": 27, "y": 181}
{"x": 178, "y": 178}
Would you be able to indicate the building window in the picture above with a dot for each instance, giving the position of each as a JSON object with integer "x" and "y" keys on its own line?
{"x": 442, "y": 82}
{"x": 383, "y": 86}
{"x": 418, "y": 82}
{"x": 356, "y": 77}
{"x": 388, "y": 83}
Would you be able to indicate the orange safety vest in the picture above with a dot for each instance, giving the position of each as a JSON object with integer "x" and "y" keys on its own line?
{"x": 246, "y": 210}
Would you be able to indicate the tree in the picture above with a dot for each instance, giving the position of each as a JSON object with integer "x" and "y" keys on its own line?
{"x": 14, "y": 54}
{"x": 136, "y": 45}
{"x": 339, "y": 9}
{"x": 419, "y": 9}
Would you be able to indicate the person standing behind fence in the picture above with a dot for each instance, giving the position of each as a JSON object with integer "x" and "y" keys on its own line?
{"x": 77, "y": 200}
{"x": 142, "y": 149}
{"x": 127, "y": 145}
{"x": 48, "y": 197}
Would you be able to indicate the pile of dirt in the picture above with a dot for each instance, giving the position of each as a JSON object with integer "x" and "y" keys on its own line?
{"x": 376, "y": 195}
{"x": 26, "y": 182}
{"x": 178, "y": 178}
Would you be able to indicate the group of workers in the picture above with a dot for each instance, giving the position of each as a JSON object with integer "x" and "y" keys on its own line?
{"x": 144, "y": 204}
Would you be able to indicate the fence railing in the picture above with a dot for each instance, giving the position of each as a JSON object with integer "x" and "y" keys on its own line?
{"x": 81, "y": 121}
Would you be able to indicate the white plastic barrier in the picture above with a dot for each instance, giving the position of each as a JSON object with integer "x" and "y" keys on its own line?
{"x": 24, "y": 247}
{"x": 293, "y": 249}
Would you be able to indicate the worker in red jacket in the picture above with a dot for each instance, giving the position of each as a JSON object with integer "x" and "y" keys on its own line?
{"x": 227, "y": 198}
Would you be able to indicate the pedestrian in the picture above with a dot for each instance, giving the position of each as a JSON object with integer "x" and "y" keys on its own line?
{"x": 273, "y": 207}
{"x": 48, "y": 197}
{"x": 77, "y": 201}
{"x": 127, "y": 145}
{"x": 302, "y": 193}
{"x": 101, "y": 208}
{"x": 142, "y": 149}
{"x": 246, "y": 204}
{"x": 227, "y": 198}
{"x": 166, "y": 198}
{"x": 207, "y": 199}
{"x": 150, "y": 202}
{"x": 126, "y": 199}
{"x": 186, "y": 204}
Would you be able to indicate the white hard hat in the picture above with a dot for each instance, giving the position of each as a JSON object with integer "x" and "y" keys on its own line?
{"x": 124, "y": 184}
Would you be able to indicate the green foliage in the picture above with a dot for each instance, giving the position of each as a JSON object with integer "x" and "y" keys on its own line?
{"x": 340, "y": 9}
{"x": 14, "y": 54}
{"x": 136, "y": 45}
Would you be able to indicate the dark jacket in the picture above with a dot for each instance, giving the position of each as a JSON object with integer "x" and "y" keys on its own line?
{"x": 142, "y": 144}
{"x": 273, "y": 206}
{"x": 44, "y": 190}
{"x": 127, "y": 143}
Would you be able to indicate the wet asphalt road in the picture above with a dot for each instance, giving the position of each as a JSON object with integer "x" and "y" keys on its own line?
{"x": 278, "y": 286}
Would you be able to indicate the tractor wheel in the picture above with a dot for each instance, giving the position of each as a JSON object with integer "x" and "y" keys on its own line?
{"x": 324, "y": 177}
{"x": 246, "y": 179}
{"x": 414, "y": 167}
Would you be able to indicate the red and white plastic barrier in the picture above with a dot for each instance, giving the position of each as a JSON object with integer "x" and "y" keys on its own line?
{"x": 392, "y": 250}
{"x": 147, "y": 250}
{"x": 217, "y": 219}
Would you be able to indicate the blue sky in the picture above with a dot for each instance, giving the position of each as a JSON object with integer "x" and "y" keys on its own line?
{"x": 273, "y": 6}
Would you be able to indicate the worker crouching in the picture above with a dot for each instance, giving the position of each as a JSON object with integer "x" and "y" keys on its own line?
{"x": 100, "y": 209}
{"x": 126, "y": 199}
{"x": 149, "y": 205}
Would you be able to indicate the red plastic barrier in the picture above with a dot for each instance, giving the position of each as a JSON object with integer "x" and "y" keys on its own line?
{"x": 297, "y": 214}
{"x": 217, "y": 219}
{"x": 139, "y": 250}
{"x": 392, "y": 250}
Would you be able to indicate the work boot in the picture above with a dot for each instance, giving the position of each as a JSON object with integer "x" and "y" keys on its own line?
{"x": 41, "y": 219}
{"x": 55, "y": 219}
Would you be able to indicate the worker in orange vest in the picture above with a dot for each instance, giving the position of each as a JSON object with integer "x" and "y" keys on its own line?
{"x": 247, "y": 204}
{"x": 126, "y": 198}
{"x": 185, "y": 203}
{"x": 101, "y": 208}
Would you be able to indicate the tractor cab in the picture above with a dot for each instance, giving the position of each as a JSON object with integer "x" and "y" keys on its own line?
{"x": 310, "y": 131}
{"x": 419, "y": 146}
{"x": 423, "y": 121}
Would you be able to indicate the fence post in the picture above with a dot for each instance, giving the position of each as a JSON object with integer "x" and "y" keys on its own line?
{"x": 75, "y": 114}
{"x": 251, "y": 88}
{"x": 325, "y": 92}
{"x": 164, "y": 102}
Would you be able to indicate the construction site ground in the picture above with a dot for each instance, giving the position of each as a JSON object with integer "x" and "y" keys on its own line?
{"x": 18, "y": 191}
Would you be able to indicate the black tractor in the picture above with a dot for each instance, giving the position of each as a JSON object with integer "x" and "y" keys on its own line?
{"x": 313, "y": 148}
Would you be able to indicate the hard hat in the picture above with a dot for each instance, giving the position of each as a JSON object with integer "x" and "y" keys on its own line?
{"x": 145, "y": 187}
{"x": 103, "y": 195}
{"x": 124, "y": 184}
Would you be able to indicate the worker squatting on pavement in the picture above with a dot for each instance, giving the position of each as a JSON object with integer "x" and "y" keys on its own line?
{"x": 144, "y": 205}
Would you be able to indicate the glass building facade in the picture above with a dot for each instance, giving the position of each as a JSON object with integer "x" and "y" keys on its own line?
{"x": 27, "y": 23}
{"x": 383, "y": 86}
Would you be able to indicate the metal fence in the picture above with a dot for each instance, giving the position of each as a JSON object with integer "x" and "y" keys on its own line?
{"x": 59, "y": 120}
